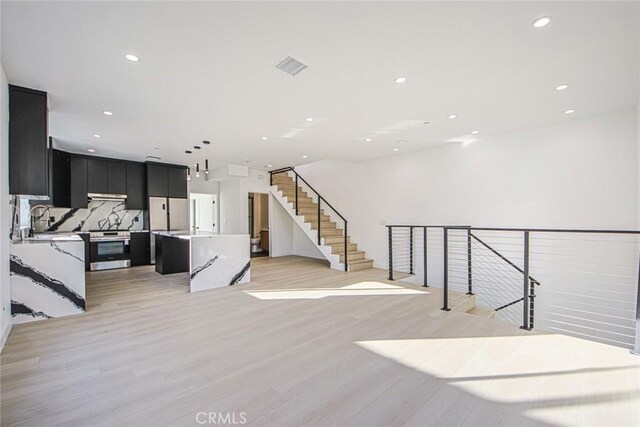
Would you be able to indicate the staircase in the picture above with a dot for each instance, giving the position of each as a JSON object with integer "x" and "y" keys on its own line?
{"x": 314, "y": 211}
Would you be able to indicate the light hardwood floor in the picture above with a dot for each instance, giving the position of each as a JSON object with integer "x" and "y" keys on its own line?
{"x": 302, "y": 345}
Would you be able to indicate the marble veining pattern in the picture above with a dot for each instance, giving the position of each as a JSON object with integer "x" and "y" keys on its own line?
{"x": 218, "y": 261}
{"x": 47, "y": 280}
{"x": 100, "y": 215}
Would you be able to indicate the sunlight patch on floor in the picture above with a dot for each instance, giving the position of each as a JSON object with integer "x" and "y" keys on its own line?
{"x": 540, "y": 375}
{"x": 357, "y": 289}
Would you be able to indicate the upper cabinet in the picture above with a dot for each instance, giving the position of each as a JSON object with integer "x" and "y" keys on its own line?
{"x": 78, "y": 177}
{"x": 28, "y": 142}
{"x": 157, "y": 180}
{"x": 136, "y": 186}
{"x": 117, "y": 177}
{"x": 167, "y": 181}
{"x": 60, "y": 178}
{"x": 177, "y": 182}
{"x": 98, "y": 175}
{"x": 107, "y": 176}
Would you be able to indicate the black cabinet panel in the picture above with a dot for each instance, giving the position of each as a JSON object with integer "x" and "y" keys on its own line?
{"x": 60, "y": 179}
{"x": 136, "y": 186}
{"x": 28, "y": 142}
{"x": 157, "y": 180}
{"x": 117, "y": 177}
{"x": 87, "y": 250}
{"x": 98, "y": 176}
{"x": 78, "y": 177}
{"x": 140, "y": 248}
{"x": 177, "y": 182}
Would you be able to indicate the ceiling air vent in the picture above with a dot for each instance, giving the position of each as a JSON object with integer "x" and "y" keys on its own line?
{"x": 291, "y": 66}
{"x": 153, "y": 158}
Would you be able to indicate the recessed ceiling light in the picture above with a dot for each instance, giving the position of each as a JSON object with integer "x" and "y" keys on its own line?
{"x": 309, "y": 119}
{"x": 187, "y": 151}
{"x": 396, "y": 149}
{"x": 570, "y": 111}
{"x": 474, "y": 132}
{"x": 107, "y": 113}
{"x": 264, "y": 138}
{"x": 269, "y": 166}
{"x": 400, "y": 79}
{"x": 402, "y": 141}
{"x": 368, "y": 139}
{"x": 543, "y": 21}
{"x": 247, "y": 160}
{"x": 452, "y": 116}
{"x": 562, "y": 87}
{"x": 197, "y": 147}
{"x": 131, "y": 57}
{"x": 156, "y": 148}
{"x": 206, "y": 142}
{"x": 304, "y": 156}
{"x": 95, "y": 135}
{"x": 91, "y": 150}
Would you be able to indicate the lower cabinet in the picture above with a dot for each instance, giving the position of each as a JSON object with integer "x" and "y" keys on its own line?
{"x": 140, "y": 248}
{"x": 87, "y": 250}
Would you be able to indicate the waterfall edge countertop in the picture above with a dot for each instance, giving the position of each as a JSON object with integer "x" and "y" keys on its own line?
{"x": 47, "y": 277}
{"x": 212, "y": 260}
{"x": 49, "y": 238}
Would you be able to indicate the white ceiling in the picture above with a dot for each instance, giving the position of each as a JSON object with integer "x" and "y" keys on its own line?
{"x": 207, "y": 71}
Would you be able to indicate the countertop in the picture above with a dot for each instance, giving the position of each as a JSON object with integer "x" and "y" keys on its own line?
{"x": 49, "y": 238}
{"x": 190, "y": 234}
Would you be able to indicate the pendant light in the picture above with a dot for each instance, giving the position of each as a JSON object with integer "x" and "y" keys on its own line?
{"x": 206, "y": 161}
{"x": 197, "y": 170}
{"x": 189, "y": 174}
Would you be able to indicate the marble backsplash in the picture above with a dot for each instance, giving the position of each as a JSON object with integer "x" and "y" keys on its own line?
{"x": 100, "y": 215}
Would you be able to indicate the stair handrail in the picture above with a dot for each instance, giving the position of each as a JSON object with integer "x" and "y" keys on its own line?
{"x": 291, "y": 169}
{"x": 320, "y": 200}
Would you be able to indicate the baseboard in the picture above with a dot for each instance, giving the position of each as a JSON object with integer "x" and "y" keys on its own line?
{"x": 279, "y": 254}
{"x": 5, "y": 335}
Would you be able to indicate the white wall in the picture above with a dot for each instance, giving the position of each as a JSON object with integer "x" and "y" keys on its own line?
{"x": 285, "y": 237}
{"x": 234, "y": 200}
{"x": 5, "y": 214}
{"x": 580, "y": 173}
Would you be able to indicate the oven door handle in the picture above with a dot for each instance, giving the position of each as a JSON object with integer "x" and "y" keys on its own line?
{"x": 110, "y": 239}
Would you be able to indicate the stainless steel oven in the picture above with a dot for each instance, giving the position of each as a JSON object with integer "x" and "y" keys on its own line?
{"x": 110, "y": 249}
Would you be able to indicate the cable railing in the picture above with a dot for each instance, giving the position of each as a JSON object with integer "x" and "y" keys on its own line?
{"x": 581, "y": 282}
{"x": 306, "y": 198}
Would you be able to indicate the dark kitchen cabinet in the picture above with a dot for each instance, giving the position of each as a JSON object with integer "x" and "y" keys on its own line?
{"x": 157, "y": 180}
{"x": 28, "y": 142}
{"x": 60, "y": 179}
{"x": 177, "y": 182}
{"x": 117, "y": 177}
{"x": 140, "y": 248}
{"x": 98, "y": 176}
{"x": 136, "y": 186}
{"x": 78, "y": 177}
{"x": 87, "y": 250}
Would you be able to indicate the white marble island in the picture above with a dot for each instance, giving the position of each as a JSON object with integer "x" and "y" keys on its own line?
{"x": 47, "y": 277}
{"x": 212, "y": 260}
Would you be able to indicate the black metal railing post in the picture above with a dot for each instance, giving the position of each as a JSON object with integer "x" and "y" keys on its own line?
{"x": 636, "y": 346}
{"x": 319, "y": 202}
{"x": 390, "y": 233}
{"x": 445, "y": 244}
{"x": 532, "y": 296}
{"x": 424, "y": 257}
{"x": 469, "y": 263}
{"x": 410, "y": 250}
{"x": 296, "y": 196}
{"x": 270, "y": 179}
{"x": 526, "y": 285}
{"x": 346, "y": 262}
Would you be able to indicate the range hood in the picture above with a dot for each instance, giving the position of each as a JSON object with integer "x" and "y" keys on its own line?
{"x": 108, "y": 197}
